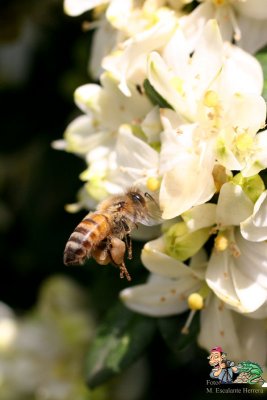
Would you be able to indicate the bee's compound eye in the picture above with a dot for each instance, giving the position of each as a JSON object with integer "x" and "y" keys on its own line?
{"x": 137, "y": 198}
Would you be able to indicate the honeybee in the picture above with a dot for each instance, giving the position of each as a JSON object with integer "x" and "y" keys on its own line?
{"x": 105, "y": 233}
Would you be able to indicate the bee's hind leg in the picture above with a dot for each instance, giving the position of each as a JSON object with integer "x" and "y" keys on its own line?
{"x": 117, "y": 250}
{"x": 124, "y": 272}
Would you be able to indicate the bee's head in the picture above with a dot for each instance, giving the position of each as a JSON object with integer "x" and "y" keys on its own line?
{"x": 137, "y": 197}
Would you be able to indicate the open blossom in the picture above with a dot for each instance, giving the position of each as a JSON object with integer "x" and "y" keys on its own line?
{"x": 218, "y": 116}
{"x": 94, "y": 135}
{"x": 237, "y": 269}
{"x": 179, "y": 113}
{"x": 243, "y": 21}
{"x": 126, "y": 31}
{"x": 168, "y": 290}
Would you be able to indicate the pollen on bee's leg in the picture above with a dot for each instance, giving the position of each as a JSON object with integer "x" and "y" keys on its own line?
{"x": 124, "y": 272}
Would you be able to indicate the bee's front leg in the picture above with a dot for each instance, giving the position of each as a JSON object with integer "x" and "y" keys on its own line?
{"x": 127, "y": 238}
{"x": 128, "y": 241}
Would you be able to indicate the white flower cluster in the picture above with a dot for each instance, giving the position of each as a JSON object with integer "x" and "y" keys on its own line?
{"x": 42, "y": 352}
{"x": 179, "y": 113}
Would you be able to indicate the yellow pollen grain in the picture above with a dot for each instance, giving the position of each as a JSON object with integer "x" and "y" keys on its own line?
{"x": 195, "y": 301}
{"x": 152, "y": 184}
{"x": 177, "y": 83}
{"x": 219, "y": 2}
{"x": 243, "y": 142}
{"x": 221, "y": 243}
{"x": 211, "y": 99}
{"x": 162, "y": 299}
{"x": 222, "y": 333}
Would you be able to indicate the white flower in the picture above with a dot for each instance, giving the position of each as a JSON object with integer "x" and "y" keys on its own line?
{"x": 254, "y": 228}
{"x": 186, "y": 165}
{"x": 170, "y": 284}
{"x": 77, "y": 7}
{"x": 185, "y": 81}
{"x": 95, "y": 134}
{"x": 206, "y": 90}
{"x": 168, "y": 290}
{"x": 128, "y": 62}
{"x": 237, "y": 269}
{"x": 241, "y": 20}
{"x": 243, "y": 338}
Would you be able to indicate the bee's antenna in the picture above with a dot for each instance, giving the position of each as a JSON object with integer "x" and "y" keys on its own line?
{"x": 150, "y": 197}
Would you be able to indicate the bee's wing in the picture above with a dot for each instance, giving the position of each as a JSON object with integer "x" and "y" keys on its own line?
{"x": 153, "y": 215}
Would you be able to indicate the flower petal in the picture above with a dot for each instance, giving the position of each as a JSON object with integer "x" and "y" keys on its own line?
{"x": 81, "y": 136}
{"x": 200, "y": 216}
{"x": 188, "y": 183}
{"x": 160, "y": 78}
{"x": 254, "y": 32}
{"x": 254, "y": 228}
{"x": 239, "y": 281}
{"x": 77, "y": 7}
{"x": 217, "y": 325}
{"x": 253, "y": 260}
{"x": 159, "y": 298}
{"x": 227, "y": 213}
{"x": 207, "y": 59}
{"x": 156, "y": 261}
{"x": 241, "y": 337}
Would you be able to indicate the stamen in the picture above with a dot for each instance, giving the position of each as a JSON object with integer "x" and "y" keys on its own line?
{"x": 153, "y": 183}
{"x": 237, "y": 32}
{"x": 221, "y": 242}
{"x": 211, "y": 99}
{"x": 195, "y": 303}
{"x": 234, "y": 249}
{"x": 185, "y": 329}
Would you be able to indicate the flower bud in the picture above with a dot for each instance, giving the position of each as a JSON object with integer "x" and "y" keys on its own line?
{"x": 181, "y": 243}
{"x": 253, "y": 186}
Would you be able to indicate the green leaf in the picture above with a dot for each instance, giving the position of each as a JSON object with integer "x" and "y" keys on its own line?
{"x": 171, "y": 331}
{"x": 154, "y": 96}
{"x": 121, "y": 339}
{"x": 262, "y": 58}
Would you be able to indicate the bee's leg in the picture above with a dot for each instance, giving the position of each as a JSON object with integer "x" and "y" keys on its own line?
{"x": 128, "y": 241}
{"x": 117, "y": 252}
{"x": 101, "y": 253}
{"x": 124, "y": 272}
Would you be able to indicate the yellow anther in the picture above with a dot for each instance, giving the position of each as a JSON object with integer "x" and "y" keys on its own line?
{"x": 153, "y": 184}
{"x": 195, "y": 301}
{"x": 211, "y": 99}
{"x": 221, "y": 242}
{"x": 177, "y": 83}
{"x": 219, "y": 2}
{"x": 244, "y": 142}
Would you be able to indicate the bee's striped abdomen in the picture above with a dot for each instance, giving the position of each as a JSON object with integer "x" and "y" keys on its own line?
{"x": 87, "y": 235}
